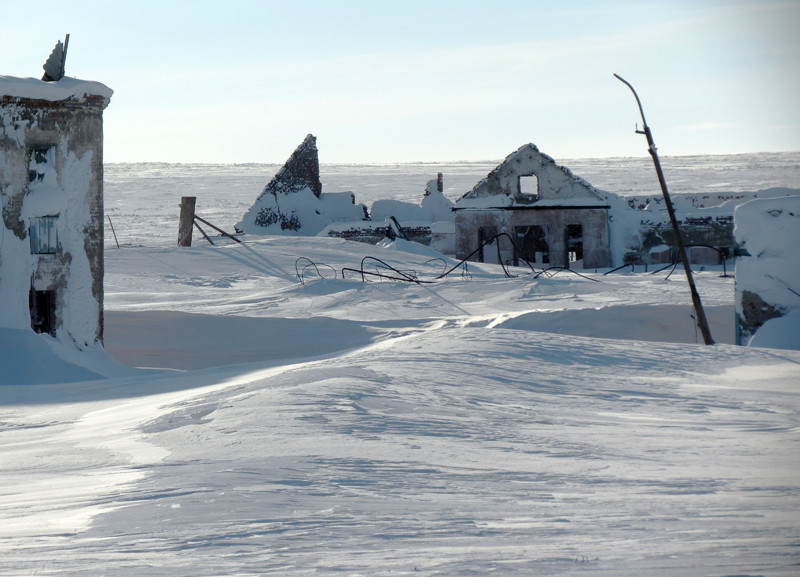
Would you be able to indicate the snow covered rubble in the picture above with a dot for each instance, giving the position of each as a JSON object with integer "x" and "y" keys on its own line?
{"x": 293, "y": 203}
{"x": 343, "y": 427}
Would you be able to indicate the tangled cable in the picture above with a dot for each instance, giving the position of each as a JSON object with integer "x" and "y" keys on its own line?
{"x": 395, "y": 274}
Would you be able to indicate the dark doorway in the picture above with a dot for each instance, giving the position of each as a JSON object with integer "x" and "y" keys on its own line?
{"x": 573, "y": 240}
{"x": 532, "y": 243}
{"x": 486, "y": 233}
{"x": 43, "y": 311}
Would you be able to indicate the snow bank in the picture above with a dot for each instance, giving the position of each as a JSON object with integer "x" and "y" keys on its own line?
{"x": 434, "y": 207}
{"x": 411, "y": 247}
{"x": 28, "y": 358}
{"x": 299, "y": 213}
{"x": 779, "y": 333}
{"x": 768, "y": 277}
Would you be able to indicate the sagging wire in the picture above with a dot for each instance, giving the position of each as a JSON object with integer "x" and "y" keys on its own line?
{"x": 723, "y": 254}
{"x": 558, "y": 269}
{"x": 380, "y": 265}
{"x": 663, "y": 268}
{"x": 444, "y": 262}
{"x": 401, "y": 275}
{"x": 413, "y": 277}
{"x": 499, "y": 259}
{"x": 672, "y": 270}
{"x": 311, "y": 264}
{"x": 629, "y": 264}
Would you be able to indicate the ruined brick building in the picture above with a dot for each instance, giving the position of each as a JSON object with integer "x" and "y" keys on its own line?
{"x": 51, "y": 188}
{"x": 552, "y": 216}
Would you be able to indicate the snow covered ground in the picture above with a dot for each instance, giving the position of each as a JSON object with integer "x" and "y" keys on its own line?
{"x": 472, "y": 425}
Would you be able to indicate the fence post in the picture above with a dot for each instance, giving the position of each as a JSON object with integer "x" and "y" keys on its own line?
{"x": 186, "y": 220}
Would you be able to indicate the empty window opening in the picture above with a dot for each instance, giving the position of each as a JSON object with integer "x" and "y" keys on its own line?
{"x": 532, "y": 243}
{"x": 573, "y": 239}
{"x": 43, "y": 311}
{"x": 42, "y": 163}
{"x": 43, "y": 233}
{"x": 529, "y": 186}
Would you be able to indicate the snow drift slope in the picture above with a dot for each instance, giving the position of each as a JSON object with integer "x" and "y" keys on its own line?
{"x": 454, "y": 451}
{"x": 395, "y": 429}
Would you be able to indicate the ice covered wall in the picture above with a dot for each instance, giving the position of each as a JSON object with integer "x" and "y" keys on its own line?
{"x": 51, "y": 150}
{"x": 768, "y": 275}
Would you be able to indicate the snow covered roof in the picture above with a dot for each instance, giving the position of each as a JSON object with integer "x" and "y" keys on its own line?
{"x": 65, "y": 89}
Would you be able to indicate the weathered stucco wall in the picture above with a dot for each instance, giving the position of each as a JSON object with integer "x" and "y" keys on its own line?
{"x": 64, "y": 184}
{"x": 551, "y": 245}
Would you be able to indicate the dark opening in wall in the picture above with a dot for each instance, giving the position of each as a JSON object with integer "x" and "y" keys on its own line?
{"x": 41, "y": 157}
{"x": 532, "y": 243}
{"x": 573, "y": 239}
{"x": 43, "y": 311}
{"x": 484, "y": 234}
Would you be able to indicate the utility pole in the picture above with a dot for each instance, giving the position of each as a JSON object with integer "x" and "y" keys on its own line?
{"x": 702, "y": 322}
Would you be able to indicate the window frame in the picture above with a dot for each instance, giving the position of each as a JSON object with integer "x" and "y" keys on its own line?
{"x": 44, "y": 243}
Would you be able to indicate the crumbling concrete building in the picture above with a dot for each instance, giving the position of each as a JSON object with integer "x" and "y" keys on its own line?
{"x": 51, "y": 187}
{"x": 552, "y": 216}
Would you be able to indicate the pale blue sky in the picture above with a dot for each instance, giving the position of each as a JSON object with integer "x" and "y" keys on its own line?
{"x": 431, "y": 80}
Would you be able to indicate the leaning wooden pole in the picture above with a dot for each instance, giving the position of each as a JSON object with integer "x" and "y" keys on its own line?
{"x": 186, "y": 220}
{"x": 702, "y": 322}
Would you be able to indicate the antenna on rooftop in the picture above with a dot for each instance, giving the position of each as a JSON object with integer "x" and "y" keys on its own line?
{"x": 54, "y": 66}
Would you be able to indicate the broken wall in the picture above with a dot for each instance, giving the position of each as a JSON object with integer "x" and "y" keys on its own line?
{"x": 553, "y": 245}
{"x": 554, "y": 182}
{"x": 698, "y": 234}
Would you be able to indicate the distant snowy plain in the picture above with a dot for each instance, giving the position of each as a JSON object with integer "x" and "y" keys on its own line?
{"x": 291, "y": 424}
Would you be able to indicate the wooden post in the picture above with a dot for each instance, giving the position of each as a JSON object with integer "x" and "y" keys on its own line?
{"x": 186, "y": 221}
